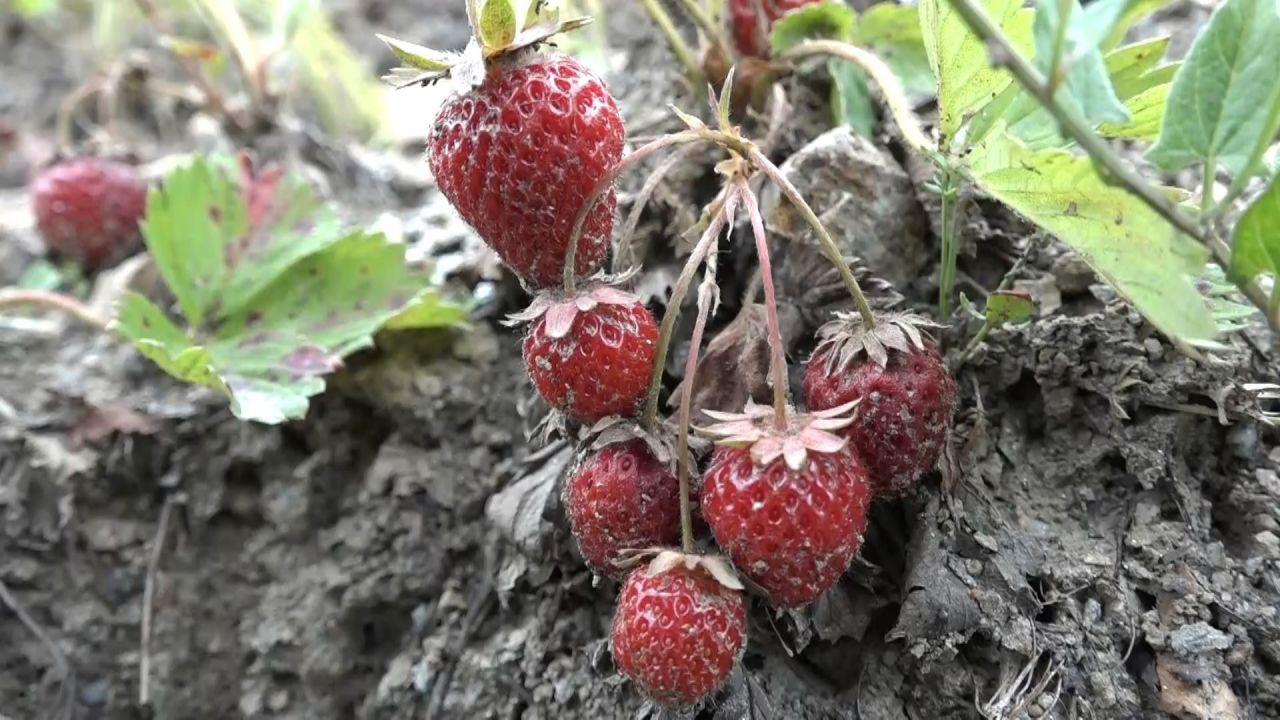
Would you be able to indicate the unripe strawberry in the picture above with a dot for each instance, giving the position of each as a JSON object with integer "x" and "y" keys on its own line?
{"x": 88, "y": 209}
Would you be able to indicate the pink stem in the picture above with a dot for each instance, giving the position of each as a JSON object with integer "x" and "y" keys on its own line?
{"x": 778, "y": 360}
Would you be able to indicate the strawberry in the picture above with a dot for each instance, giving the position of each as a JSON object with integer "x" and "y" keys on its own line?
{"x": 680, "y": 626}
{"x": 751, "y": 26}
{"x": 88, "y": 209}
{"x": 789, "y": 507}
{"x": 904, "y": 391}
{"x": 621, "y": 497}
{"x": 518, "y": 155}
{"x": 591, "y": 355}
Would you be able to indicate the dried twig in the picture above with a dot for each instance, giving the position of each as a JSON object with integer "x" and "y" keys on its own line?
{"x": 60, "y": 663}
{"x": 148, "y": 600}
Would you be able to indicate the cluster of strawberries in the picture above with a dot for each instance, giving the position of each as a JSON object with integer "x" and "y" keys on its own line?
{"x": 519, "y": 153}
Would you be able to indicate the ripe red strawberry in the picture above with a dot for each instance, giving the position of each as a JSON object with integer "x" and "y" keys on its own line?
{"x": 679, "y": 628}
{"x": 904, "y": 391}
{"x": 621, "y": 497}
{"x": 88, "y": 209}
{"x": 789, "y": 508}
{"x": 751, "y": 29}
{"x": 518, "y": 155}
{"x": 591, "y": 356}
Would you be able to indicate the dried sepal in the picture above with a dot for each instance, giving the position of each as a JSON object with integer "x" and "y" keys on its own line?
{"x": 714, "y": 565}
{"x": 754, "y": 430}
{"x": 561, "y": 311}
{"x": 615, "y": 430}
{"x": 848, "y": 337}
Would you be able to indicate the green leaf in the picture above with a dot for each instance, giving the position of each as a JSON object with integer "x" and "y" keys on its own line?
{"x": 1256, "y": 243}
{"x": 966, "y": 79}
{"x": 893, "y": 33}
{"x": 1146, "y": 112}
{"x": 40, "y": 275}
{"x": 1007, "y": 307}
{"x": 1136, "y": 68}
{"x": 498, "y": 23}
{"x": 831, "y": 19}
{"x": 286, "y": 295}
{"x": 1087, "y": 87}
{"x": 1227, "y": 306}
{"x": 417, "y": 56}
{"x": 1225, "y": 104}
{"x": 1126, "y": 242}
{"x": 213, "y": 252}
{"x": 1134, "y": 11}
{"x": 851, "y": 98}
{"x": 429, "y": 310}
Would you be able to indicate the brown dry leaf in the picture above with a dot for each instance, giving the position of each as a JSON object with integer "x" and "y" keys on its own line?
{"x": 1208, "y": 699}
{"x": 734, "y": 367}
{"x": 99, "y": 423}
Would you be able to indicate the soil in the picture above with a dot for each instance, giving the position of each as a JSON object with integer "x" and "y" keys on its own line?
{"x": 1104, "y": 543}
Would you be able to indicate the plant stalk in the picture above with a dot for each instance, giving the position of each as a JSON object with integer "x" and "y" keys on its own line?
{"x": 1005, "y": 55}
{"x": 13, "y": 297}
{"x": 714, "y": 34}
{"x": 778, "y": 359}
{"x": 825, "y": 241}
{"x": 950, "y": 245}
{"x": 890, "y": 87}
{"x": 606, "y": 182}
{"x": 705, "y": 300}
{"x": 728, "y": 202}
{"x": 692, "y": 69}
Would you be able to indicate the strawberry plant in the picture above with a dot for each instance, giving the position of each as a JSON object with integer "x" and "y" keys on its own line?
{"x": 272, "y": 291}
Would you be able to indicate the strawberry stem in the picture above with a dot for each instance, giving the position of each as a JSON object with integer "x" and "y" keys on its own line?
{"x": 13, "y": 297}
{"x": 709, "y": 28}
{"x": 890, "y": 87}
{"x": 575, "y": 237}
{"x": 777, "y": 360}
{"x": 728, "y": 201}
{"x": 660, "y": 17}
{"x": 706, "y": 295}
{"x": 828, "y": 244}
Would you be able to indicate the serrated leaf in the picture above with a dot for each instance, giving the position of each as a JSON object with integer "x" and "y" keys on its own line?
{"x": 851, "y": 100}
{"x": 498, "y": 23}
{"x": 1087, "y": 86}
{"x": 1225, "y": 104}
{"x": 1008, "y": 307}
{"x": 276, "y": 309}
{"x": 831, "y": 19}
{"x": 215, "y": 251}
{"x": 1256, "y": 239}
{"x": 1127, "y": 243}
{"x": 966, "y": 79}
{"x": 893, "y": 32}
{"x": 417, "y": 56}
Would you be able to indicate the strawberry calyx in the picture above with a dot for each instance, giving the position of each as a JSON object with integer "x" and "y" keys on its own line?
{"x": 848, "y": 337}
{"x": 561, "y": 310}
{"x": 754, "y": 429}
{"x": 661, "y": 560}
{"x": 499, "y": 28}
{"x": 616, "y": 430}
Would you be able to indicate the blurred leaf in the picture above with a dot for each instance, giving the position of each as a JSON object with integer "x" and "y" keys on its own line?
{"x": 851, "y": 98}
{"x": 34, "y": 8}
{"x": 1009, "y": 307}
{"x": 1134, "y": 11}
{"x": 966, "y": 79}
{"x": 1225, "y": 302}
{"x": 1087, "y": 87}
{"x": 1123, "y": 240}
{"x": 1256, "y": 243}
{"x": 274, "y": 293}
{"x": 40, "y": 275}
{"x": 347, "y": 95}
{"x": 893, "y": 32}
{"x": 831, "y": 19}
{"x": 1224, "y": 108}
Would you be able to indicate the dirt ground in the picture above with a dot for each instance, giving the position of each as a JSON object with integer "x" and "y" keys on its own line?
{"x": 1106, "y": 545}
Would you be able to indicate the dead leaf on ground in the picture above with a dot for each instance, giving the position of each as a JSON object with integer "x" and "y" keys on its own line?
{"x": 98, "y": 423}
{"x": 734, "y": 367}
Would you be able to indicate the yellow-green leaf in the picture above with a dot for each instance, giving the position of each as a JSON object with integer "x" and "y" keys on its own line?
{"x": 1133, "y": 248}
{"x": 1146, "y": 112}
{"x": 966, "y": 79}
{"x": 417, "y": 56}
{"x": 498, "y": 23}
